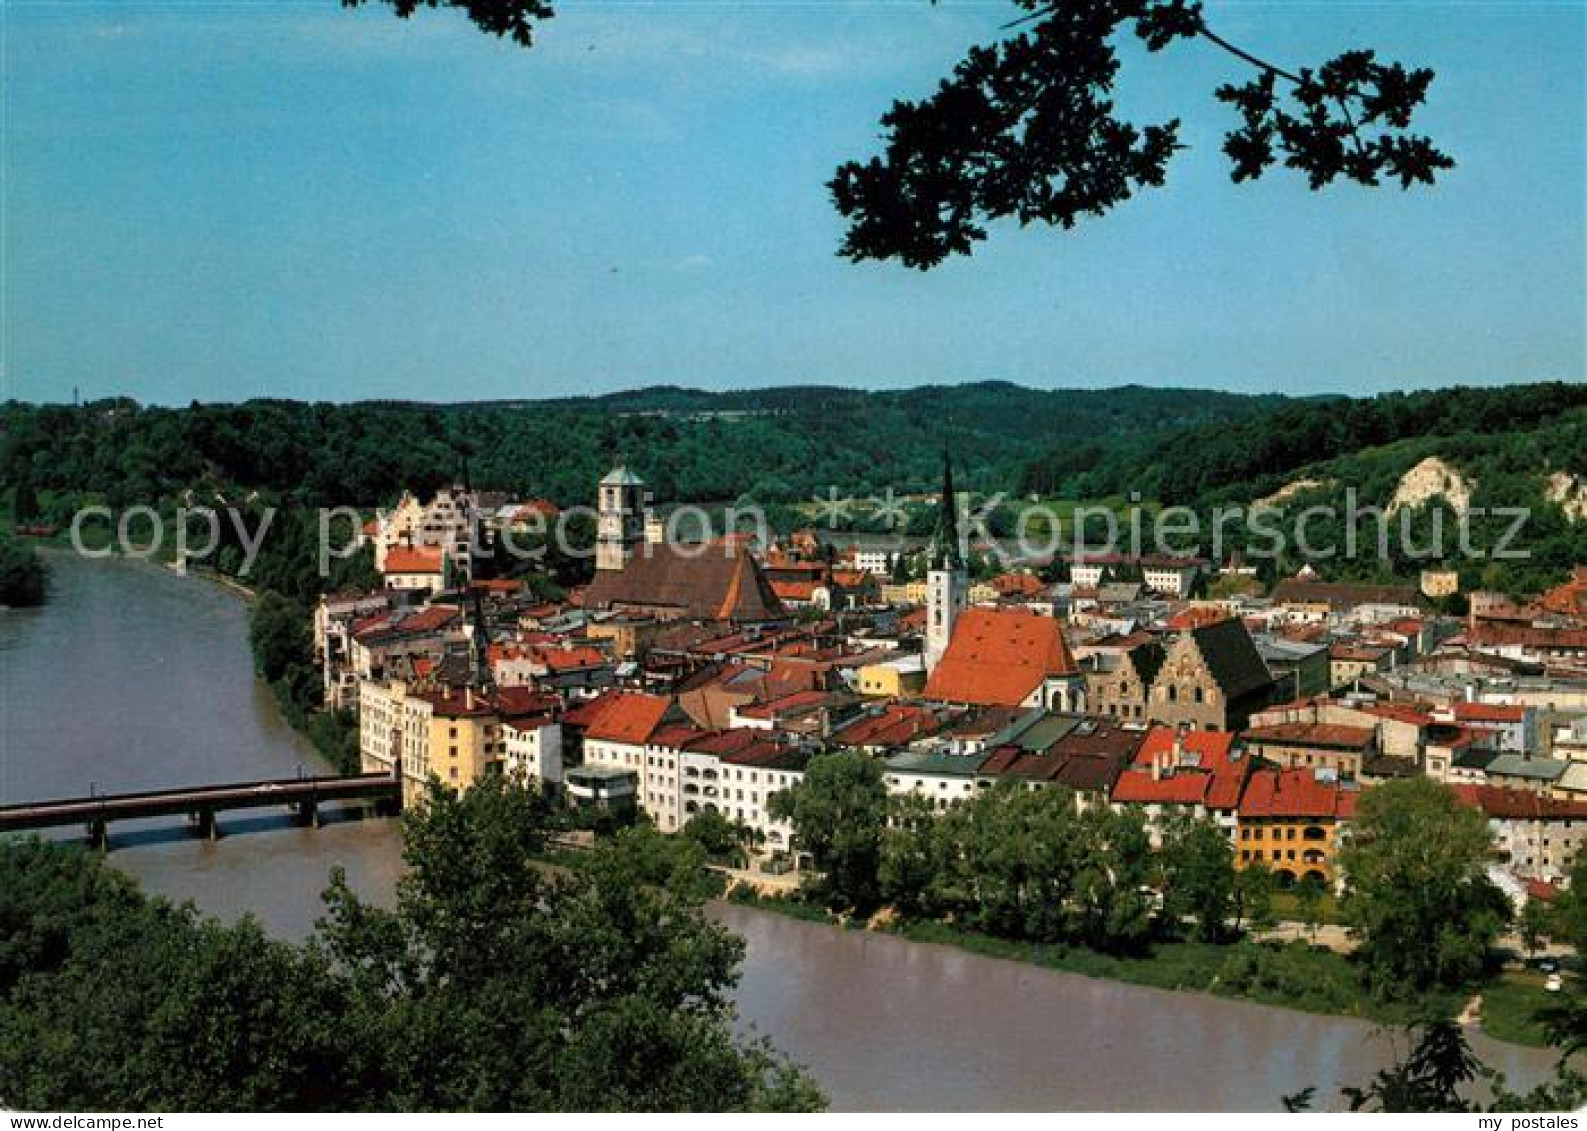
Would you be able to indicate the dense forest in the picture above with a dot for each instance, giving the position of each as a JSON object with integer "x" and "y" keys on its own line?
{"x": 774, "y": 444}
{"x": 784, "y": 446}
{"x": 1522, "y": 428}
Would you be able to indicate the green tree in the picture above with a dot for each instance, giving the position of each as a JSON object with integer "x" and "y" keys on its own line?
{"x": 1435, "y": 1072}
{"x": 278, "y": 629}
{"x": 1197, "y": 876}
{"x": 912, "y": 869}
{"x": 25, "y": 497}
{"x": 1309, "y": 895}
{"x": 1535, "y": 923}
{"x": 838, "y": 812}
{"x": 23, "y": 578}
{"x": 1113, "y": 910}
{"x": 491, "y": 984}
{"x": 1417, "y": 895}
{"x": 1570, "y": 910}
{"x": 111, "y": 1000}
{"x": 1253, "y": 898}
{"x": 718, "y": 837}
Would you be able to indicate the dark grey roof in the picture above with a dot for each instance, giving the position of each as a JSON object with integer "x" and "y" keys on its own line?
{"x": 1231, "y": 657}
{"x": 1346, "y": 595}
{"x": 716, "y": 581}
{"x": 1147, "y": 659}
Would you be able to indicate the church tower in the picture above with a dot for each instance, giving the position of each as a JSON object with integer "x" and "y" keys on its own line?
{"x": 620, "y": 518}
{"x": 947, "y": 584}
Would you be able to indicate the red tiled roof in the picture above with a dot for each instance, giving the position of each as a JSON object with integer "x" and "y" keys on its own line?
{"x": 1491, "y": 634}
{"x": 1214, "y": 780}
{"x": 720, "y": 580}
{"x": 771, "y": 708}
{"x": 1196, "y": 616}
{"x": 571, "y": 658}
{"x": 674, "y": 736}
{"x": 1542, "y": 891}
{"x": 530, "y": 722}
{"x": 1017, "y": 585}
{"x": 1089, "y": 761}
{"x": 892, "y": 725}
{"x": 794, "y": 590}
{"x": 1488, "y": 713}
{"x": 620, "y": 716}
{"x": 1332, "y": 735}
{"x": 998, "y": 657}
{"x": 543, "y": 508}
{"x": 432, "y": 618}
{"x": 1295, "y": 793}
{"x": 1355, "y": 653}
{"x": 1519, "y": 804}
{"x": 1400, "y": 713}
{"x": 506, "y": 585}
{"x": 519, "y": 701}
{"x": 418, "y": 559}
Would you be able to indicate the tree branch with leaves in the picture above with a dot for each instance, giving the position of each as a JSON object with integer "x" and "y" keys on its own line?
{"x": 1026, "y": 128}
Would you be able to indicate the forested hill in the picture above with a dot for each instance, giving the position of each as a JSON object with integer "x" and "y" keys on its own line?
{"x": 1514, "y": 429}
{"x": 783, "y": 444}
{"x": 774, "y": 444}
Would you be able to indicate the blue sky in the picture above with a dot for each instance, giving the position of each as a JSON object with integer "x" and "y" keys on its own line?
{"x": 225, "y": 200}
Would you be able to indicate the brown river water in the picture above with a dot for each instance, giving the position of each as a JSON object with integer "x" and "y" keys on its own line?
{"x": 134, "y": 678}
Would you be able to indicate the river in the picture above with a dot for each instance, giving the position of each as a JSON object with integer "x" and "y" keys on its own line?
{"x": 132, "y": 677}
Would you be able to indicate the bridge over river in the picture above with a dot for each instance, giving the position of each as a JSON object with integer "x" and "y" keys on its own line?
{"x": 201, "y": 804}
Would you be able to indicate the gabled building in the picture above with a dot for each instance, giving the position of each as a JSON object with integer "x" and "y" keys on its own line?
{"x": 1083, "y": 754}
{"x": 1212, "y": 678}
{"x": 1007, "y": 658}
{"x": 1119, "y": 679}
{"x": 1341, "y": 749}
{"x": 714, "y": 581}
{"x": 1538, "y": 837}
{"x": 1198, "y": 772}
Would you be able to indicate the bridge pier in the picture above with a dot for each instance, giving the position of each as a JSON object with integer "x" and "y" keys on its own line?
{"x": 308, "y": 811}
{"x": 99, "y": 834}
{"x": 205, "y": 824}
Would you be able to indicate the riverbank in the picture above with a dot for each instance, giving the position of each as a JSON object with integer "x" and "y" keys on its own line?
{"x": 214, "y": 577}
{"x": 1292, "y": 975}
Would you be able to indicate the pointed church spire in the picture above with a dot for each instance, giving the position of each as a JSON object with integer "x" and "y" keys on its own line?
{"x": 946, "y": 551}
{"x": 480, "y": 673}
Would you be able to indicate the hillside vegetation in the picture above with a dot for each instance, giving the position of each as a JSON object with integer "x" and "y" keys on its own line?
{"x": 1514, "y": 446}
{"x": 775, "y": 444}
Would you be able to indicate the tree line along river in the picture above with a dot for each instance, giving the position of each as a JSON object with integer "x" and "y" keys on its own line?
{"x": 134, "y": 678}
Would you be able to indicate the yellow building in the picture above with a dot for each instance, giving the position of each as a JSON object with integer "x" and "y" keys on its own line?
{"x": 909, "y": 593}
{"x": 454, "y": 735}
{"x": 1290, "y": 821}
{"x": 901, "y": 678}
